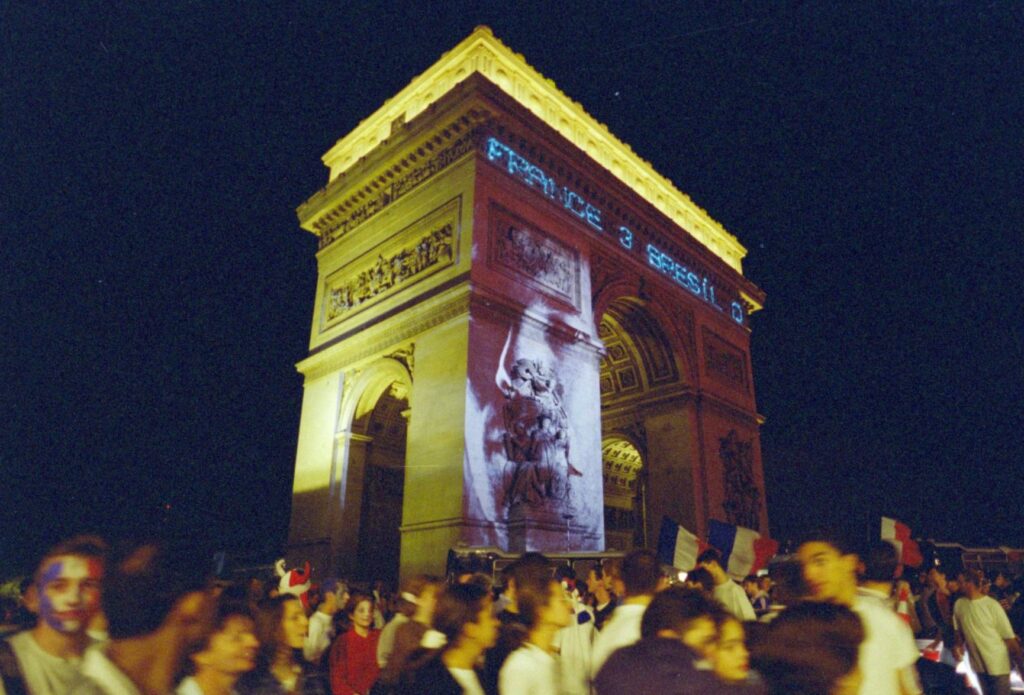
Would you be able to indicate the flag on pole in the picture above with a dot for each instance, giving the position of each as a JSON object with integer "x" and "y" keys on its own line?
{"x": 677, "y": 546}
{"x": 744, "y": 551}
{"x": 899, "y": 535}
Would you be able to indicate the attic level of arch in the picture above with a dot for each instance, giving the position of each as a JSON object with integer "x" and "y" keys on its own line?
{"x": 462, "y": 124}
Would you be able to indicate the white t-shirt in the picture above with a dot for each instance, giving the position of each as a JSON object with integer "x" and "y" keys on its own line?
{"x": 99, "y": 676}
{"x": 621, "y": 630}
{"x": 575, "y": 645}
{"x": 468, "y": 680}
{"x": 985, "y": 625}
{"x": 734, "y": 598}
{"x": 44, "y": 673}
{"x": 529, "y": 670}
{"x": 888, "y": 647}
{"x": 319, "y": 636}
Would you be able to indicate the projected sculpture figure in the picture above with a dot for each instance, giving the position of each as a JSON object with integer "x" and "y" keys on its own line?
{"x": 536, "y": 438}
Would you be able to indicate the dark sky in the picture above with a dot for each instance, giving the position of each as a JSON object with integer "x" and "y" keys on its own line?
{"x": 157, "y": 290}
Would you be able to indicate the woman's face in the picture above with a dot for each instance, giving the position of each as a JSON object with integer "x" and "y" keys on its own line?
{"x": 294, "y": 624}
{"x": 362, "y": 614}
{"x": 730, "y": 657}
{"x": 231, "y": 650}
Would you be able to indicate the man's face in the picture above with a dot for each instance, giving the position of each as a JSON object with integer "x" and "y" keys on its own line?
{"x": 69, "y": 592}
{"x": 828, "y": 573}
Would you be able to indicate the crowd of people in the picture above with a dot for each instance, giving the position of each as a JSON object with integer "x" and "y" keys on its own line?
{"x": 834, "y": 618}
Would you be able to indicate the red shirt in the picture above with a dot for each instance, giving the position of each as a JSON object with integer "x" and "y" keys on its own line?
{"x": 353, "y": 663}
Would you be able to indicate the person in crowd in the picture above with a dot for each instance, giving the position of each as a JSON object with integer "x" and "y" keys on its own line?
{"x": 406, "y": 605}
{"x": 465, "y": 617}
{"x": 281, "y": 627}
{"x": 729, "y": 657}
{"x": 700, "y": 578}
{"x": 811, "y": 648}
{"x": 677, "y": 634}
{"x": 641, "y": 579}
{"x": 421, "y": 592}
{"x": 888, "y": 654}
{"x": 532, "y": 669}
{"x": 353, "y": 655}
{"x": 214, "y": 666}
{"x": 531, "y": 571}
{"x": 334, "y": 595}
{"x": 574, "y": 642}
{"x": 158, "y": 604}
{"x": 877, "y": 571}
{"x": 64, "y": 595}
{"x": 982, "y": 625}
{"x": 600, "y": 588}
{"x": 726, "y": 591}
{"x": 758, "y": 597}
{"x": 787, "y": 585}
{"x": 381, "y": 609}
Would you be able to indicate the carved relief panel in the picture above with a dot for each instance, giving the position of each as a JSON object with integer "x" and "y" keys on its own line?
{"x": 532, "y": 257}
{"x": 407, "y": 257}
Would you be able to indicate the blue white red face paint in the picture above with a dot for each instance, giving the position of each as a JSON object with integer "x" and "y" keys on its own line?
{"x": 69, "y": 592}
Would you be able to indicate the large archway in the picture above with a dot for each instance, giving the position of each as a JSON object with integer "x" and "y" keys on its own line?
{"x": 640, "y": 381}
{"x": 383, "y": 431}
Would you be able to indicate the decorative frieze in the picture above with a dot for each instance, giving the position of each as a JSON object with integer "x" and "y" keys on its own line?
{"x": 541, "y": 260}
{"x": 420, "y": 250}
{"x": 724, "y": 362}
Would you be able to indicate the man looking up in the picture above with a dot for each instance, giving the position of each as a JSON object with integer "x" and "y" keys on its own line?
{"x": 158, "y": 604}
{"x": 641, "y": 579}
{"x": 65, "y": 595}
{"x": 726, "y": 591}
{"x": 888, "y": 654}
{"x": 982, "y": 623}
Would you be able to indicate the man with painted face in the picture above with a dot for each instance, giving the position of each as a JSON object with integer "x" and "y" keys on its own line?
{"x": 65, "y": 595}
{"x": 158, "y": 604}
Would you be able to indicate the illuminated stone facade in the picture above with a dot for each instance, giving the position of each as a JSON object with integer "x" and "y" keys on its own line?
{"x": 520, "y": 331}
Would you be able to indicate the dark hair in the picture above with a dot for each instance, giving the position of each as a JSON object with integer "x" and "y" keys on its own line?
{"x": 975, "y": 577}
{"x": 458, "y": 606}
{"x": 531, "y": 600}
{"x": 641, "y": 572}
{"x": 880, "y": 561}
{"x": 269, "y": 620}
{"x": 92, "y": 547}
{"x": 530, "y": 569}
{"x": 227, "y": 608}
{"x": 675, "y": 608}
{"x": 703, "y": 577}
{"x": 841, "y": 541}
{"x": 145, "y": 581}
{"x": 808, "y": 648}
{"x": 710, "y": 555}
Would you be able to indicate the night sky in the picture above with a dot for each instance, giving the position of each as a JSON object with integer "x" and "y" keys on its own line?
{"x": 157, "y": 289}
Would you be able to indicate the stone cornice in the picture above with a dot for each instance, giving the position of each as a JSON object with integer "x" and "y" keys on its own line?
{"x": 482, "y": 53}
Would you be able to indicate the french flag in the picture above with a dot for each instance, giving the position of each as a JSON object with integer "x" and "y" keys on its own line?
{"x": 677, "y": 546}
{"x": 898, "y": 534}
{"x": 744, "y": 551}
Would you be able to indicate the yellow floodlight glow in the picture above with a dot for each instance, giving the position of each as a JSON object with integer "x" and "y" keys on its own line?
{"x": 482, "y": 53}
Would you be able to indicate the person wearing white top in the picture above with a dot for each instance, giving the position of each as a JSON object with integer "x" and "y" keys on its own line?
{"x": 321, "y": 623}
{"x": 982, "y": 625}
{"x": 887, "y": 656}
{"x": 65, "y": 594}
{"x": 532, "y": 669}
{"x": 727, "y": 592}
{"x": 641, "y": 579}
